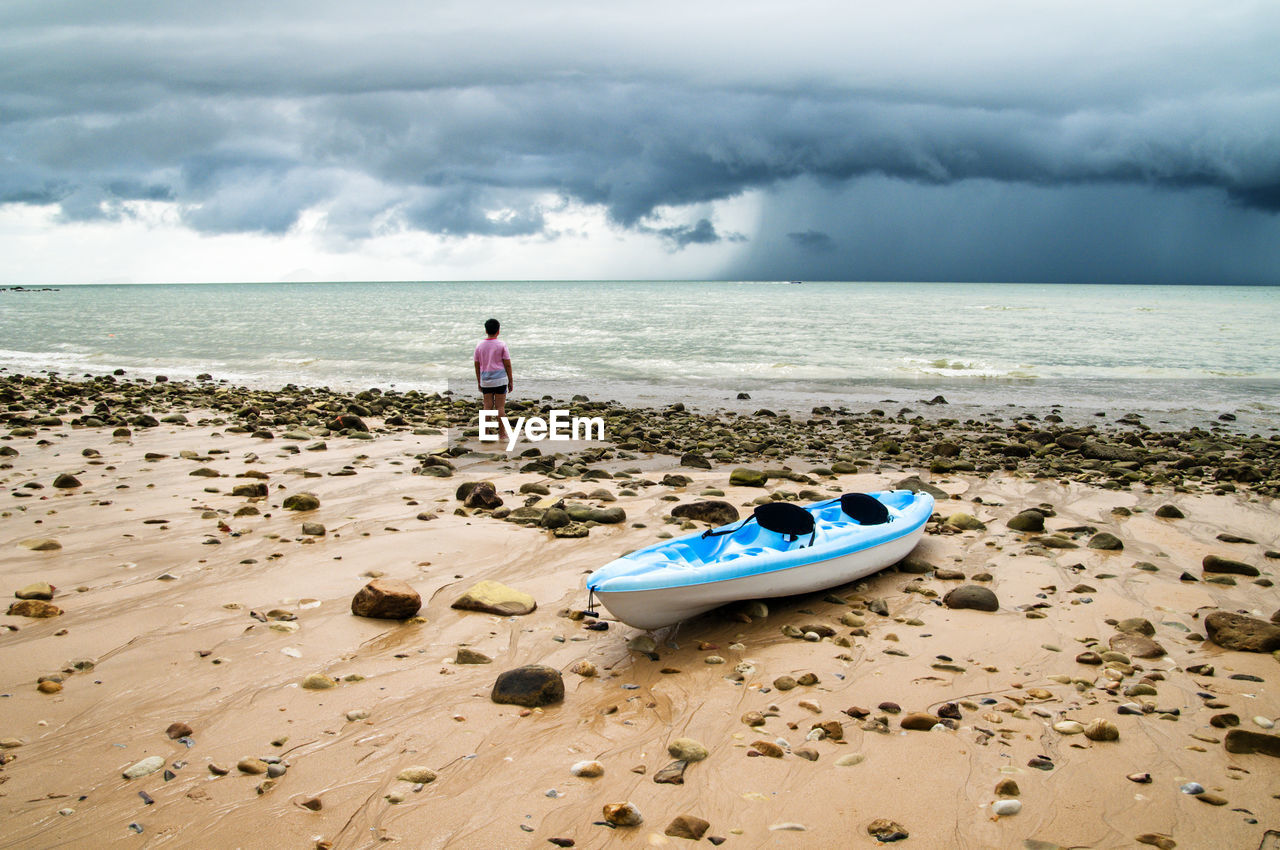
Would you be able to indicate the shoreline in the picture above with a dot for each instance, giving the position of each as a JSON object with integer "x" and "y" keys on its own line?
{"x": 181, "y": 606}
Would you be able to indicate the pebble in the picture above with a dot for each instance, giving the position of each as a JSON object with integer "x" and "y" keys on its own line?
{"x": 687, "y": 750}
{"x": 252, "y": 766}
{"x": 1101, "y": 730}
{"x": 1264, "y": 722}
{"x": 623, "y": 814}
{"x": 588, "y": 769}
{"x": 850, "y": 760}
{"x": 1193, "y": 788}
{"x": 788, "y": 826}
{"x": 1004, "y": 808}
{"x": 417, "y": 774}
{"x": 145, "y": 767}
{"x": 1068, "y": 727}
{"x": 318, "y": 682}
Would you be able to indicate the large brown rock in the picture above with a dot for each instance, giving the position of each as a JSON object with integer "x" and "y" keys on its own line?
{"x": 687, "y": 826}
{"x": 37, "y": 608}
{"x": 1246, "y": 634}
{"x": 531, "y": 686}
{"x": 711, "y": 511}
{"x": 972, "y": 596}
{"x": 1136, "y": 646}
{"x": 386, "y": 599}
{"x": 483, "y": 495}
{"x": 495, "y": 598}
{"x": 1216, "y": 564}
{"x": 1244, "y": 742}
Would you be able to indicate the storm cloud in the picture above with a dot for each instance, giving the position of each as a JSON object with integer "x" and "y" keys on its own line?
{"x": 873, "y": 139}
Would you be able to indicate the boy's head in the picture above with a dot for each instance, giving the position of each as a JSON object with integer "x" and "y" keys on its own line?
{"x": 491, "y": 327}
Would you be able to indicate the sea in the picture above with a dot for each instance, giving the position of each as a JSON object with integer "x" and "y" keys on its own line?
{"x": 1179, "y": 355}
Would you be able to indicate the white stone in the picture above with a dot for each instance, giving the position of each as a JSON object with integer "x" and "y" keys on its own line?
{"x": 1006, "y": 807}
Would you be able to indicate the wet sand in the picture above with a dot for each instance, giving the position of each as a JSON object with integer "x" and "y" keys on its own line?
{"x": 170, "y": 596}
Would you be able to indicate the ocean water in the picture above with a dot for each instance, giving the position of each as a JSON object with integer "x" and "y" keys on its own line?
{"x": 1184, "y": 354}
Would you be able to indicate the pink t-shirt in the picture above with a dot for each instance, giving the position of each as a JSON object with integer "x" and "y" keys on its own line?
{"x": 489, "y": 354}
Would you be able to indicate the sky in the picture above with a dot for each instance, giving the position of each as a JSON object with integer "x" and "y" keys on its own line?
{"x": 992, "y": 140}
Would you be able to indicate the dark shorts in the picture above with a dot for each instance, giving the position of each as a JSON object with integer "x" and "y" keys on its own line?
{"x": 502, "y": 390}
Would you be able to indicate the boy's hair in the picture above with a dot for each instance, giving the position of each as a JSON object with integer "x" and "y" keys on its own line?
{"x": 491, "y": 327}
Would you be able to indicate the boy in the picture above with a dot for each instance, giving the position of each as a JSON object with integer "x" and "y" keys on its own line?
{"x": 493, "y": 373}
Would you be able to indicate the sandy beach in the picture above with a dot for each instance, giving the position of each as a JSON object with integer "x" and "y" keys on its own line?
{"x": 185, "y": 601}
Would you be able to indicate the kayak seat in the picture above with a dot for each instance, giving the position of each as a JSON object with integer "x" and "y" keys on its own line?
{"x": 791, "y": 521}
{"x": 863, "y": 509}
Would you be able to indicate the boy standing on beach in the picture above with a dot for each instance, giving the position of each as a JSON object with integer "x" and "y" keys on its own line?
{"x": 493, "y": 372}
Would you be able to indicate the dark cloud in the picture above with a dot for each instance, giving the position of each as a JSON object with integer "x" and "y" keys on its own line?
{"x": 480, "y": 119}
{"x": 814, "y": 240}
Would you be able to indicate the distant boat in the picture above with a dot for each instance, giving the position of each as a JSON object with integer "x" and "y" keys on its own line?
{"x": 797, "y": 281}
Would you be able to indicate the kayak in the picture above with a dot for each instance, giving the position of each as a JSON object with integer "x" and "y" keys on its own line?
{"x": 782, "y": 549}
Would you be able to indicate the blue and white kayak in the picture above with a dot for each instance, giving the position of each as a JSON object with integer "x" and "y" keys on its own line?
{"x": 780, "y": 550}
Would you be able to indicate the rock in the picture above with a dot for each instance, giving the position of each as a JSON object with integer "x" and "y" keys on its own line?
{"x": 1101, "y": 730}
{"x": 694, "y": 460}
{"x": 1216, "y": 564}
{"x": 1157, "y": 839}
{"x": 252, "y": 766}
{"x": 531, "y": 686}
{"x": 1169, "y": 512}
{"x": 312, "y": 803}
{"x": 1004, "y": 808}
{"x": 313, "y": 529}
{"x": 972, "y": 596}
{"x": 554, "y": 518}
{"x": 1241, "y": 633}
{"x": 850, "y": 760}
{"x": 914, "y": 565}
{"x": 40, "y": 544}
{"x": 768, "y": 748}
{"x": 1008, "y": 788}
{"x": 745, "y": 477}
{"x": 145, "y": 767}
{"x": 1028, "y": 521}
{"x": 587, "y": 769}
{"x": 785, "y": 683}
{"x": 965, "y": 522}
{"x": 301, "y": 502}
{"x": 318, "y": 682}
{"x": 346, "y": 422}
{"x": 66, "y": 481}
{"x": 622, "y": 814}
{"x": 1244, "y": 742}
{"x": 1136, "y": 646}
{"x": 482, "y": 495}
{"x": 386, "y": 599}
{"x": 672, "y": 774}
{"x": 49, "y": 686}
{"x": 883, "y": 829}
{"x": 178, "y": 730}
{"x": 687, "y": 749}
{"x": 687, "y": 826}
{"x": 919, "y": 721}
{"x": 1068, "y": 727}
{"x": 713, "y": 512}
{"x": 417, "y": 774}
{"x": 492, "y": 597}
{"x": 1105, "y": 541}
{"x": 36, "y": 590}
{"x": 605, "y": 516}
{"x": 1136, "y": 626}
{"x": 466, "y": 655}
{"x": 36, "y": 608}
{"x": 584, "y": 668}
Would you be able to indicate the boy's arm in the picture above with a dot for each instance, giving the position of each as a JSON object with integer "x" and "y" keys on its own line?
{"x": 511, "y": 379}
{"x": 478, "y": 375}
